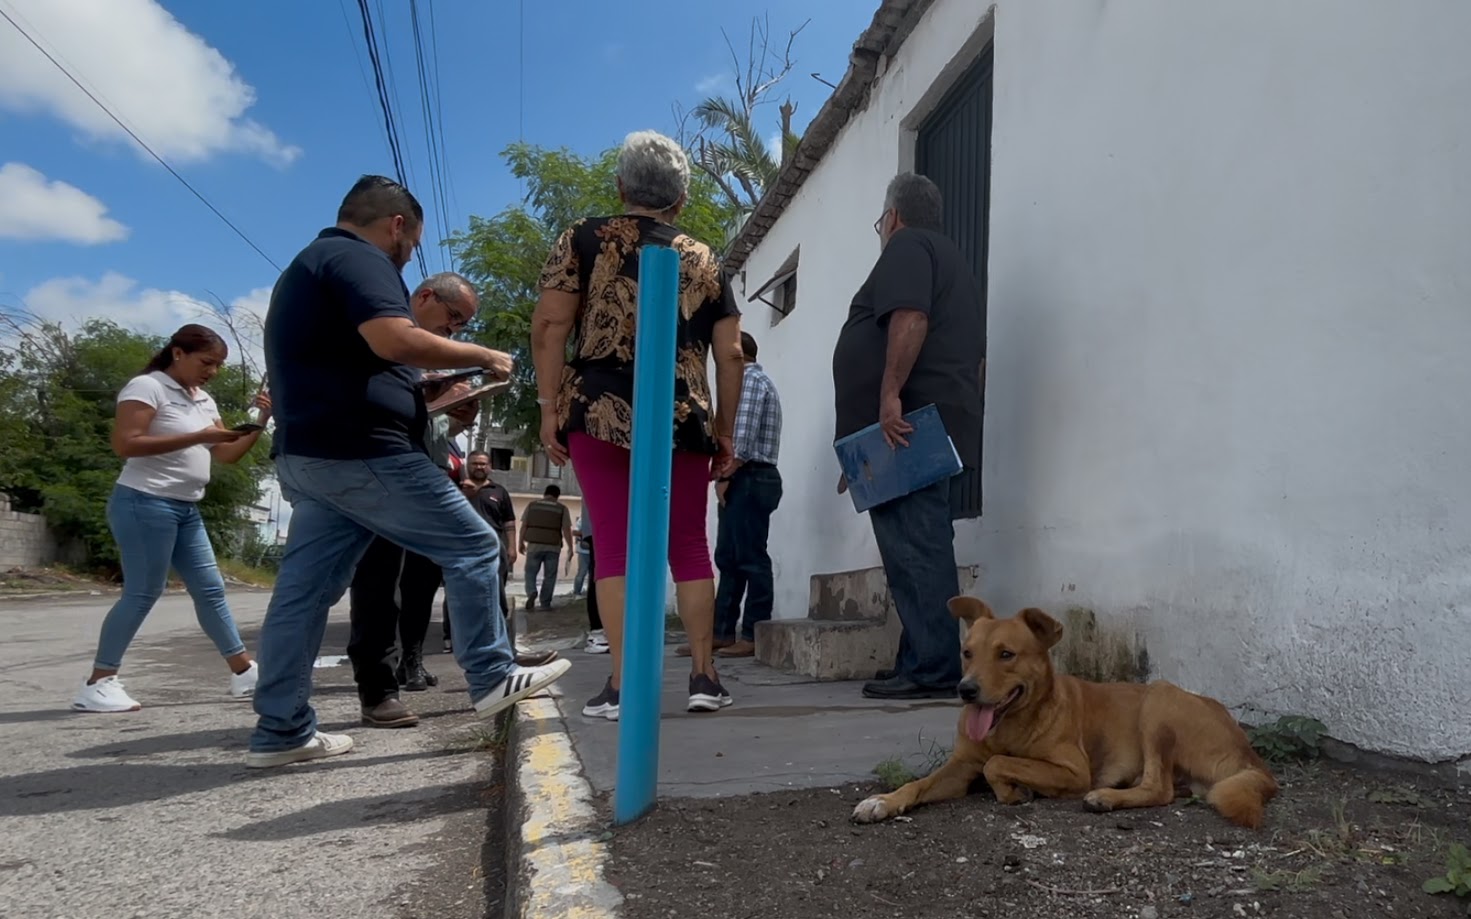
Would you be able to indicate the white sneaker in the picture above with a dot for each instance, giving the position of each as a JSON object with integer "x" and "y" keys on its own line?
{"x": 520, "y": 683}
{"x": 597, "y": 643}
{"x": 320, "y": 746}
{"x": 105, "y": 695}
{"x": 242, "y": 685}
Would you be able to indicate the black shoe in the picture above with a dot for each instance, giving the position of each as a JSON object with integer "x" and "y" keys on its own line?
{"x": 885, "y": 675}
{"x": 899, "y": 687}
{"x": 411, "y": 675}
{"x": 429, "y": 678}
{"x": 706, "y": 695}
{"x": 604, "y": 704}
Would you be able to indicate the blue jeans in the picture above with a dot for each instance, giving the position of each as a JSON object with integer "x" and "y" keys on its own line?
{"x": 916, "y": 541}
{"x": 153, "y": 533}
{"x": 337, "y": 507}
{"x": 542, "y": 559}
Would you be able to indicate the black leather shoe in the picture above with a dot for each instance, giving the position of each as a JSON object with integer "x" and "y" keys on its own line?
{"x": 899, "y": 687}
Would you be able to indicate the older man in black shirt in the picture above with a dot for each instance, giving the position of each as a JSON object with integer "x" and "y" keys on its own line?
{"x": 915, "y": 335}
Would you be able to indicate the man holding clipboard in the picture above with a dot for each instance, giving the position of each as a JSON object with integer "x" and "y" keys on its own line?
{"x": 907, "y": 388}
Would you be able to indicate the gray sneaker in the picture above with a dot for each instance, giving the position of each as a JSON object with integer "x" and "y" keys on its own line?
{"x": 390, "y": 713}
{"x": 319, "y": 747}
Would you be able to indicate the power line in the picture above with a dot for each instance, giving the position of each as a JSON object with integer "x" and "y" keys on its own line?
{"x": 388, "y": 119}
{"x": 362, "y": 72}
{"x": 449, "y": 180}
{"x": 161, "y": 161}
{"x": 436, "y": 163}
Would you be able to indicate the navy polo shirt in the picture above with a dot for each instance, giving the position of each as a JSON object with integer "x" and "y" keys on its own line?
{"x": 331, "y": 396}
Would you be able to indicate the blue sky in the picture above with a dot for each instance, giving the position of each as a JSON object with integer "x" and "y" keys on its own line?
{"x": 263, "y": 107}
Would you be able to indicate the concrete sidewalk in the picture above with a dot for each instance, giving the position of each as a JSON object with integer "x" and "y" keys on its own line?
{"x": 782, "y": 732}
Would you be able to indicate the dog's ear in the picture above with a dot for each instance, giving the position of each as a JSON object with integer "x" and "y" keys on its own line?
{"x": 969, "y": 609}
{"x": 1047, "y": 629}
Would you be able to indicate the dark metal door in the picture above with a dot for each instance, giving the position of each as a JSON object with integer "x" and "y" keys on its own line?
{"x": 954, "y": 150}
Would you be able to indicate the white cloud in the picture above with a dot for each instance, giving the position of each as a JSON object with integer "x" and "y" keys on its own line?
{"x": 71, "y": 301}
{"x": 32, "y": 208}
{"x": 773, "y": 145}
{"x": 711, "y": 84}
{"x": 171, "y": 87}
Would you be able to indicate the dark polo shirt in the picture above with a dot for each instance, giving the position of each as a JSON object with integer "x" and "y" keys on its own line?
{"x": 331, "y": 396}
{"x": 918, "y": 270}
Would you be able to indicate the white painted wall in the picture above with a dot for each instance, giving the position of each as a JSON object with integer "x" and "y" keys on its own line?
{"x": 1230, "y": 317}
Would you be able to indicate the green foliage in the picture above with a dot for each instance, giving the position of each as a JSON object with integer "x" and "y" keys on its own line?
{"x": 894, "y": 774}
{"x": 1457, "y": 877}
{"x": 1289, "y": 739}
{"x": 504, "y": 255}
{"x": 57, "y": 402}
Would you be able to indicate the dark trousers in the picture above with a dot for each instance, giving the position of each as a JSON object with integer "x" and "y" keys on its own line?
{"x": 916, "y": 541}
{"x": 740, "y": 550}
{"x": 386, "y": 629}
{"x": 594, "y": 621}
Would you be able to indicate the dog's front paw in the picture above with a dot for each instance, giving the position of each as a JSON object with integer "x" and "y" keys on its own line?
{"x": 1012, "y": 794}
{"x": 872, "y": 810}
{"x": 1098, "y": 802}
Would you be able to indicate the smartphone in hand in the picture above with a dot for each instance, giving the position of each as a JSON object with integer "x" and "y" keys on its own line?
{"x": 248, "y": 428}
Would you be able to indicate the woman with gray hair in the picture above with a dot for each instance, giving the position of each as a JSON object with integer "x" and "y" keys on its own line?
{"x": 589, "y": 294}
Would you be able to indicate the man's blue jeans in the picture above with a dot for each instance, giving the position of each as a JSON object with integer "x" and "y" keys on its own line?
{"x": 153, "y": 533}
{"x": 916, "y": 541}
{"x": 542, "y": 561}
{"x": 337, "y": 507}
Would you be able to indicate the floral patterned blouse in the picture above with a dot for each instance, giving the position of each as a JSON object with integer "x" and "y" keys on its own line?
{"x": 597, "y": 259}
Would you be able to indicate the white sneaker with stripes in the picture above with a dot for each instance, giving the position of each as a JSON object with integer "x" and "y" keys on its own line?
{"x": 520, "y": 683}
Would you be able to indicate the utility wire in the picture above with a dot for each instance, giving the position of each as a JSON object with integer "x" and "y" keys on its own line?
{"x": 436, "y": 164}
{"x": 161, "y": 161}
{"x": 449, "y": 180}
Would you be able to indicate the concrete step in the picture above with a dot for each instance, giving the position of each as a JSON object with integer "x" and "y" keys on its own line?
{"x": 851, "y": 632}
{"x": 825, "y": 649}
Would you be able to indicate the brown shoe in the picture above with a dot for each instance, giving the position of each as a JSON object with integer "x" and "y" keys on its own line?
{"x": 535, "y": 658}
{"x": 741, "y": 648}
{"x": 717, "y": 644}
{"x": 390, "y": 713}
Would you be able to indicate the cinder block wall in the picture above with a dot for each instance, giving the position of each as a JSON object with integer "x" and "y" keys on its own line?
{"x": 25, "y": 541}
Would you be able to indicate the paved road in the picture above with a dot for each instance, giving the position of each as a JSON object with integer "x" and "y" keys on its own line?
{"x": 153, "y": 813}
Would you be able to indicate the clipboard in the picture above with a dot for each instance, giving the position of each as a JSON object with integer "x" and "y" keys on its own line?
{"x": 878, "y": 473}
{"x": 446, "y": 403}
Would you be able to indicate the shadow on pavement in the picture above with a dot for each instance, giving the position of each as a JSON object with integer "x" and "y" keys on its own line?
{"x": 353, "y": 813}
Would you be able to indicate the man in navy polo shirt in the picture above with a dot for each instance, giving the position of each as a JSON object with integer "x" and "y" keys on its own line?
{"x": 343, "y": 354}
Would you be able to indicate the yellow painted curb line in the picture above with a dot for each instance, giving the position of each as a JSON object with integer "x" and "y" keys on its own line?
{"x": 555, "y": 853}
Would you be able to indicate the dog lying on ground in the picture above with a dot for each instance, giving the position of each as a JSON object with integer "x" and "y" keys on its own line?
{"x": 1030, "y": 730}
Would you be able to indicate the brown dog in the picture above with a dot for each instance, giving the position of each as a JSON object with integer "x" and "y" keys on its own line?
{"x": 1030, "y": 730}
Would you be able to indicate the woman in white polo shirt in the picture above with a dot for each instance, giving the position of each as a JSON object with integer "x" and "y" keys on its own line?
{"x": 168, "y": 429}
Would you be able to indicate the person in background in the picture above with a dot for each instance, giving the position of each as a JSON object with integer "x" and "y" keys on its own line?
{"x": 167, "y": 429}
{"x": 391, "y": 598}
{"x": 589, "y": 294}
{"x": 748, "y": 498}
{"x": 343, "y": 354}
{"x": 493, "y": 502}
{"x": 915, "y": 335}
{"x": 546, "y": 527}
{"x": 579, "y": 581}
{"x": 597, "y": 639}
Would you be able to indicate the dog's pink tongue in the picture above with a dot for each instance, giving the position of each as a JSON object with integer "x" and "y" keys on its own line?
{"x": 978, "y": 720}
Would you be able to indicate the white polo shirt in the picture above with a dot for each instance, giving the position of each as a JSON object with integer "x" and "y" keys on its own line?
{"x": 181, "y": 474}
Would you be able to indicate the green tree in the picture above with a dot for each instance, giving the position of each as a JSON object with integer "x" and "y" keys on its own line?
{"x": 57, "y": 403}
{"x": 503, "y": 255}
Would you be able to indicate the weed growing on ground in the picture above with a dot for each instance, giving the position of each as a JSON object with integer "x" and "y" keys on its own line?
{"x": 893, "y": 773}
{"x": 1457, "y": 877}
{"x": 1289, "y": 739}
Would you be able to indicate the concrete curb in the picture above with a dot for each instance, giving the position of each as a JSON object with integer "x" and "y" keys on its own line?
{"x": 556, "y": 846}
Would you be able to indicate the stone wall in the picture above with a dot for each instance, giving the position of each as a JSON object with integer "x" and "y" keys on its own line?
{"x": 25, "y": 541}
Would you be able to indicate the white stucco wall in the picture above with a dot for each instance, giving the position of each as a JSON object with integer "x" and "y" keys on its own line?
{"x": 1230, "y": 316}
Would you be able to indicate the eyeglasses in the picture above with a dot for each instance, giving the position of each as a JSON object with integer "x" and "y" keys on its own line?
{"x": 878, "y": 225}
{"x": 457, "y": 319}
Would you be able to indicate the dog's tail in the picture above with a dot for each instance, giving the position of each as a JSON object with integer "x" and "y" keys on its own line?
{"x": 1242, "y": 796}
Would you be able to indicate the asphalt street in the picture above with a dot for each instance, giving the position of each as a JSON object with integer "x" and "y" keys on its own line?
{"x": 152, "y": 813}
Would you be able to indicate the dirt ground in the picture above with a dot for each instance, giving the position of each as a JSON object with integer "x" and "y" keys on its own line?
{"x": 1338, "y": 844}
